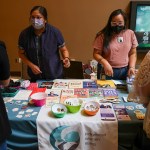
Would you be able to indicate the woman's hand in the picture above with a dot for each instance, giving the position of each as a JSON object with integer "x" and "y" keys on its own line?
{"x": 131, "y": 72}
{"x": 66, "y": 62}
{"x": 35, "y": 69}
{"x": 108, "y": 69}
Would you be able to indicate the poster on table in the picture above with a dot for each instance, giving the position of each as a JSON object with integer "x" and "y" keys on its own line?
{"x": 75, "y": 131}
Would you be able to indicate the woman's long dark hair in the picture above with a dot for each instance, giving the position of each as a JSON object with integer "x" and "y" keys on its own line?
{"x": 107, "y": 31}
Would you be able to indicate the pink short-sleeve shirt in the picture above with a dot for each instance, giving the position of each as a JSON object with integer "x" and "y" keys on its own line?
{"x": 119, "y": 47}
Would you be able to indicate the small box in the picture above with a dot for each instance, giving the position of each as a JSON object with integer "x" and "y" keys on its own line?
{"x": 8, "y": 92}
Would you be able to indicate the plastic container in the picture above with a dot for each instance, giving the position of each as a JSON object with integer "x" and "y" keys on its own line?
{"x": 59, "y": 110}
{"x": 73, "y": 104}
{"x": 91, "y": 108}
{"x": 39, "y": 99}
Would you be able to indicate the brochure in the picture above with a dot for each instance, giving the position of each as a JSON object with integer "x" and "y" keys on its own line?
{"x": 121, "y": 112}
{"x": 88, "y": 84}
{"x": 75, "y": 84}
{"x": 53, "y": 92}
{"x": 64, "y": 97}
{"x": 81, "y": 93}
{"x": 110, "y": 93}
{"x": 60, "y": 85}
{"x": 67, "y": 92}
{"x": 107, "y": 112}
{"x": 46, "y": 84}
{"x": 96, "y": 93}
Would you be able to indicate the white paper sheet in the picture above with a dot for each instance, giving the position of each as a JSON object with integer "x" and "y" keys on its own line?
{"x": 22, "y": 95}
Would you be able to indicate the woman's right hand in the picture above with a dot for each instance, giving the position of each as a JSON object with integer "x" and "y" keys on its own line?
{"x": 35, "y": 69}
{"x": 108, "y": 69}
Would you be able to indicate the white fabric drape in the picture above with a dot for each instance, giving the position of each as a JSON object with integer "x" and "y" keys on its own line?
{"x": 75, "y": 130}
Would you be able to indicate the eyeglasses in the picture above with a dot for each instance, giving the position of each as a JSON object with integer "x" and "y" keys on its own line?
{"x": 117, "y": 23}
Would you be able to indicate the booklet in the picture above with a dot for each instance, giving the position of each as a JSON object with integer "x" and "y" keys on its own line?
{"x": 96, "y": 93}
{"x": 110, "y": 93}
{"x": 89, "y": 84}
{"x": 107, "y": 112}
{"x": 46, "y": 84}
{"x": 67, "y": 92}
{"x": 60, "y": 85}
{"x": 81, "y": 93}
{"x": 53, "y": 92}
{"x": 51, "y": 100}
{"x": 121, "y": 112}
{"x": 75, "y": 84}
{"x": 64, "y": 97}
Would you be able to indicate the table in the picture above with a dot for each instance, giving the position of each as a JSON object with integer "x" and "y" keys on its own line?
{"x": 24, "y": 131}
{"x": 127, "y": 130}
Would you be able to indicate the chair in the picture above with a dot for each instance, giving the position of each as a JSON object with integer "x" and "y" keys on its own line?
{"x": 75, "y": 71}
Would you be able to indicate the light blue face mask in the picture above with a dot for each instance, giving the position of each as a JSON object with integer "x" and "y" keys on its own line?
{"x": 37, "y": 23}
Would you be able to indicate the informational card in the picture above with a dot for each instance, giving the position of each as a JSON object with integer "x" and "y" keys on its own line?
{"x": 51, "y": 100}
{"x": 46, "y": 84}
{"x": 110, "y": 93}
{"x": 121, "y": 112}
{"x": 107, "y": 112}
{"x": 67, "y": 92}
{"x": 94, "y": 92}
{"x": 53, "y": 92}
{"x": 64, "y": 97}
{"x": 81, "y": 92}
{"x": 60, "y": 85}
{"x": 75, "y": 84}
{"x": 87, "y": 84}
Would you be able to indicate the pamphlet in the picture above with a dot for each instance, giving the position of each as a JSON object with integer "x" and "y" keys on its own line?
{"x": 110, "y": 93}
{"x": 81, "y": 93}
{"x": 60, "y": 85}
{"x": 88, "y": 84}
{"x": 46, "y": 84}
{"x": 75, "y": 84}
{"x": 64, "y": 97}
{"x": 51, "y": 100}
{"x": 67, "y": 92}
{"x": 96, "y": 93}
{"x": 121, "y": 112}
{"x": 107, "y": 112}
{"x": 53, "y": 92}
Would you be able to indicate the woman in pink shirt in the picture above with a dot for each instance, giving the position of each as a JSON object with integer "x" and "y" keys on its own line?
{"x": 115, "y": 48}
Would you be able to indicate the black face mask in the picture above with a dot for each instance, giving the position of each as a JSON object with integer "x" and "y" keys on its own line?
{"x": 117, "y": 29}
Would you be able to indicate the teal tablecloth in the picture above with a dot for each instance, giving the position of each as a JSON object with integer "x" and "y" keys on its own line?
{"x": 24, "y": 132}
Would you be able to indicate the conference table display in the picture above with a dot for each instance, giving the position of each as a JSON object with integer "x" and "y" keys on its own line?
{"x": 75, "y": 114}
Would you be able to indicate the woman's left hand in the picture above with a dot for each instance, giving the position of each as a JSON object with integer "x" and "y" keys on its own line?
{"x": 131, "y": 71}
{"x": 66, "y": 62}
